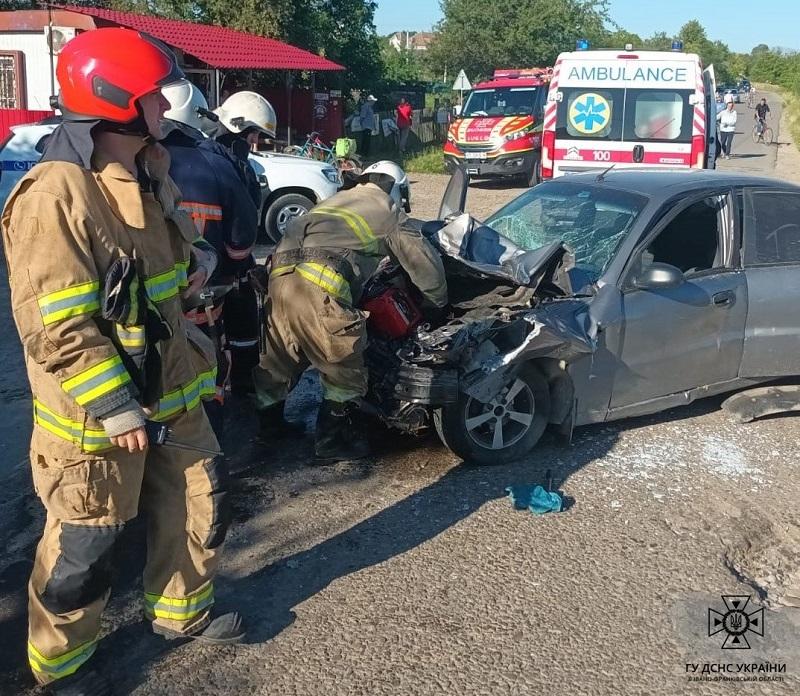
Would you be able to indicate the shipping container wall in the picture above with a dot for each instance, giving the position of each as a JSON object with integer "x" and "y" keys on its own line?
{"x": 16, "y": 117}
{"x": 36, "y": 65}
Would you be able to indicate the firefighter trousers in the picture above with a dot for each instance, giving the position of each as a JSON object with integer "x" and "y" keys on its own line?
{"x": 308, "y": 327}
{"x": 88, "y": 502}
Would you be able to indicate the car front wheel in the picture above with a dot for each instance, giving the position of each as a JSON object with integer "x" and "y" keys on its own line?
{"x": 502, "y": 430}
{"x": 281, "y": 211}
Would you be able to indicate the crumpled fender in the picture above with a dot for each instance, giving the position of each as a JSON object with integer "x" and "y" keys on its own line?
{"x": 560, "y": 330}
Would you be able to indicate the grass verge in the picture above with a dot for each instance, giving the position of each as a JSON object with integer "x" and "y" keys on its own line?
{"x": 427, "y": 161}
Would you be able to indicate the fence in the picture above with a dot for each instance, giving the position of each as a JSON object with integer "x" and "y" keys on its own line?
{"x": 16, "y": 117}
{"x": 425, "y": 131}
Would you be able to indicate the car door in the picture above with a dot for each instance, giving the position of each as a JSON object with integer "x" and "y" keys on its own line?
{"x": 710, "y": 106}
{"x": 688, "y": 336}
{"x": 771, "y": 222}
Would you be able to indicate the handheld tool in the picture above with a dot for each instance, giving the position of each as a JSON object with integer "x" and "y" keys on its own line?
{"x": 161, "y": 434}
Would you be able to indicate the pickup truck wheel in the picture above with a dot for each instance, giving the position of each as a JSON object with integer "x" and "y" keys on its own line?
{"x": 282, "y": 210}
{"x": 503, "y": 430}
{"x": 535, "y": 175}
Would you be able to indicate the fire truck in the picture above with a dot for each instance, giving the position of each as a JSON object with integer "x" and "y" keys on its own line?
{"x": 498, "y": 132}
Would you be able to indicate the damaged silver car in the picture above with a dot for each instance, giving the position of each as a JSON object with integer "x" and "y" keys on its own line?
{"x": 592, "y": 298}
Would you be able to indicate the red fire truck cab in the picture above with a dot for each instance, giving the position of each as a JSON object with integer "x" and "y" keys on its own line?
{"x": 498, "y": 132}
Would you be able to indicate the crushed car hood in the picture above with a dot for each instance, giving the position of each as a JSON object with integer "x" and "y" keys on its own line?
{"x": 490, "y": 254}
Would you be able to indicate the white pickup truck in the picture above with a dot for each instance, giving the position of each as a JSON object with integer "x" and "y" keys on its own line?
{"x": 290, "y": 185}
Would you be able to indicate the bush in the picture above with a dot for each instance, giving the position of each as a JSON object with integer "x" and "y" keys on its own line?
{"x": 427, "y": 161}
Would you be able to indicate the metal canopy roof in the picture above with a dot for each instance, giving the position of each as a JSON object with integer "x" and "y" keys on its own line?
{"x": 219, "y": 47}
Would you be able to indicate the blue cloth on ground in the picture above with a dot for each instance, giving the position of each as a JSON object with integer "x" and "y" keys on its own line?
{"x": 534, "y": 498}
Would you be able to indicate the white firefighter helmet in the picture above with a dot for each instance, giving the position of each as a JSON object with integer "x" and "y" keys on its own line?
{"x": 244, "y": 110}
{"x": 187, "y": 105}
{"x": 400, "y": 192}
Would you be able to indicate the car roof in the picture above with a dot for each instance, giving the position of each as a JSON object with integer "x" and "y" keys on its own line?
{"x": 660, "y": 183}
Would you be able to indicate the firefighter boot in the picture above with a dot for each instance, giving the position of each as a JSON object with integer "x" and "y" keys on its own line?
{"x": 225, "y": 629}
{"x": 337, "y": 437}
{"x": 274, "y": 426}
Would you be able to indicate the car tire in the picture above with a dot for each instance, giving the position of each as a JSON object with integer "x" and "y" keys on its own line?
{"x": 281, "y": 210}
{"x": 469, "y": 427}
{"x": 535, "y": 175}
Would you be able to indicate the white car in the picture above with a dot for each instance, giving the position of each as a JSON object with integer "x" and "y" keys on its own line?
{"x": 290, "y": 185}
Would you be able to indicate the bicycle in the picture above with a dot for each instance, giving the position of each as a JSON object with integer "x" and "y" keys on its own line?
{"x": 762, "y": 132}
{"x": 314, "y": 148}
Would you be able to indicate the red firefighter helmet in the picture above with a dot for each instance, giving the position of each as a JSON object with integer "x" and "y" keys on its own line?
{"x": 102, "y": 73}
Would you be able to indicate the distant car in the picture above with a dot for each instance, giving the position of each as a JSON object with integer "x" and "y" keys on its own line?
{"x": 623, "y": 293}
{"x": 290, "y": 186}
{"x": 744, "y": 86}
{"x": 731, "y": 94}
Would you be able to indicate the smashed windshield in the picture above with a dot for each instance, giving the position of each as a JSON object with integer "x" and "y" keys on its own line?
{"x": 505, "y": 101}
{"x": 591, "y": 220}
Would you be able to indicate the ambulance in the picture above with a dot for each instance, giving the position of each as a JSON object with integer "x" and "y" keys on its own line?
{"x": 629, "y": 109}
{"x": 498, "y": 132}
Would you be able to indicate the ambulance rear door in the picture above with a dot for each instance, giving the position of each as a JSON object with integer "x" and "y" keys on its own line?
{"x": 710, "y": 87}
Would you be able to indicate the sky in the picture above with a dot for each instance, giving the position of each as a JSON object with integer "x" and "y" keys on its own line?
{"x": 741, "y": 24}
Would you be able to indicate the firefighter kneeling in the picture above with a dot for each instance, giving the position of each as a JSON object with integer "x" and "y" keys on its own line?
{"x": 312, "y": 318}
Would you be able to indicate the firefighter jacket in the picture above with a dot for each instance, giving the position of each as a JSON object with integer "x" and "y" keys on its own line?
{"x": 361, "y": 225}
{"x": 213, "y": 196}
{"x": 64, "y": 226}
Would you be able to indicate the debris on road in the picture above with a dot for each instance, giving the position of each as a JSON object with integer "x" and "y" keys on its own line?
{"x": 536, "y": 498}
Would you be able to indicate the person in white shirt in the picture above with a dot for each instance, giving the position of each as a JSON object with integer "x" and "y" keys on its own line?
{"x": 727, "y": 127}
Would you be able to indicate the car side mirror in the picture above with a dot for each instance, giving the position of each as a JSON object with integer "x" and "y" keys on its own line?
{"x": 659, "y": 276}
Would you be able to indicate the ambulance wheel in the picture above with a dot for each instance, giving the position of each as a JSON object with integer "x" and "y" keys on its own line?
{"x": 503, "y": 430}
{"x": 535, "y": 175}
{"x": 281, "y": 211}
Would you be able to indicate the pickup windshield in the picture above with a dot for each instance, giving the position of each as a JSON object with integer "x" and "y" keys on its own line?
{"x": 501, "y": 101}
{"x": 591, "y": 220}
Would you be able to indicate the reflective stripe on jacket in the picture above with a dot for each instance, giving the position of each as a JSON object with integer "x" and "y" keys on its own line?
{"x": 63, "y": 226}
{"x": 363, "y": 225}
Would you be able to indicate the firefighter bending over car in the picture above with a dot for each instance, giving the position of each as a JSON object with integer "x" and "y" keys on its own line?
{"x": 215, "y": 196}
{"x": 312, "y": 317}
{"x": 99, "y": 255}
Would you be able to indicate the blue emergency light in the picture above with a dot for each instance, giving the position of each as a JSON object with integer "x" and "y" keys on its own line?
{"x": 582, "y": 45}
{"x": 677, "y": 45}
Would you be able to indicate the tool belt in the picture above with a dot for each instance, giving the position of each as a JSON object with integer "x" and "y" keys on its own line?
{"x": 327, "y": 269}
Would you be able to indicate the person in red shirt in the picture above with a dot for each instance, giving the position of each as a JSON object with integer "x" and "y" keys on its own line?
{"x": 404, "y": 112}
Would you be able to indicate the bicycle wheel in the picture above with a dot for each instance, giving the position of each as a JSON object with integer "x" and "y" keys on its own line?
{"x": 756, "y": 134}
{"x": 349, "y": 164}
{"x": 767, "y": 135}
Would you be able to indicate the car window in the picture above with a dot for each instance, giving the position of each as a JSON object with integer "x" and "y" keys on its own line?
{"x": 658, "y": 115}
{"x": 591, "y": 220}
{"x": 42, "y": 143}
{"x": 690, "y": 241}
{"x": 771, "y": 227}
{"x": 502, "y": 101}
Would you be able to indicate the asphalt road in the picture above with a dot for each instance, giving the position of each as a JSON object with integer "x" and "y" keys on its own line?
{"x": 750, "y": 157}
{"x": 411, "y": 573}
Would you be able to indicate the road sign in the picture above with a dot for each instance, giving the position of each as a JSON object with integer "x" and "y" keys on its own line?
{"x": 462, "y": 83}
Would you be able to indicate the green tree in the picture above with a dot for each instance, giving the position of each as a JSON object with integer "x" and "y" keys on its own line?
{"x": 479, "y": 36}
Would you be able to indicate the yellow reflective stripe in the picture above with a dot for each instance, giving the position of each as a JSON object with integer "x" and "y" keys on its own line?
{"x": 356, "y": 223}
{"x": 179, "y": 609}
{"x": 70, "y": 302}
{"x": 87, "y": 439}
{"x": 63, "y": 665}
{"x": 331, "y": 282}
{"x": 131, "y": 336}
{"x": 188, "y": 397}
{"x": 282, "y": 270}
{"x": 182, "y": 273}
{"x": 97, "y": 381}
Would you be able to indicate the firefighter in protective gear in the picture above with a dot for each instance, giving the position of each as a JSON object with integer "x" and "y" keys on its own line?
{"x": 242, "y": 118}
{"x": 108, "y": 289}
{"x": 318, "y": 274}
{"x": 220, "y": 208}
